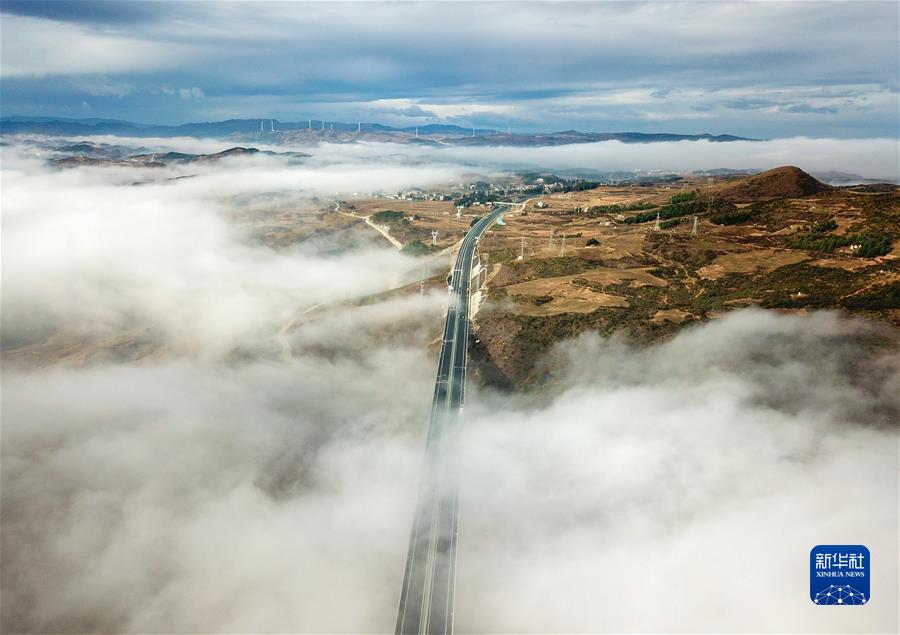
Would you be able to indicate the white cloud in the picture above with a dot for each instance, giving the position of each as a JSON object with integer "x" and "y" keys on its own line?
{"x": 657, "y": 492}
{"x": 539, "y": 64}
{"x": 680, "y": 488}
{"x": 395, "y": 166}
{"x": 441, "y": 110}
{"x": 872, "y": 158}
{"x": 191, "y": 93}
{"x": 259, "y": 472}
{"x": 37, "y": 47}
{"x": 103, "y": 87}
{"x": 88, "y": 248}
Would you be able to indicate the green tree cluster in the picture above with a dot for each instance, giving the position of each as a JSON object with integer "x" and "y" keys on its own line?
{"x": 415, "y": 248}
{"x": 825, "y": 226}
{"x": 388, "y": 216}
{"x": 871, "y": 244}
{"x": 672, "y": 222}
{"x": 684, "y": 197}
{"x": 674, "y": 210}
{"x": 733, "y": 217}
{"x": 597, "y": 210}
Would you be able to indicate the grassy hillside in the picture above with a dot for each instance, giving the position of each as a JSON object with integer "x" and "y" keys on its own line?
{"x": 798, "y": 246}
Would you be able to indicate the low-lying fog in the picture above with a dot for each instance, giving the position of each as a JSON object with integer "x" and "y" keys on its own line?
{"x": 869, "y": 158}
{"x": 259, "y": 472}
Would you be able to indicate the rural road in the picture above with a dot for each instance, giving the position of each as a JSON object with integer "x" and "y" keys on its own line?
{"x": 381, "y": 230}
{"x": 426, "y": 600}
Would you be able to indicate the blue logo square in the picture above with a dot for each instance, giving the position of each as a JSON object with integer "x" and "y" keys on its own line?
{"x": 839, "y": 575}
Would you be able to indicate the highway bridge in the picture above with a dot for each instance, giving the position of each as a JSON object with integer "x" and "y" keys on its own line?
{"x": 429, "y": 581}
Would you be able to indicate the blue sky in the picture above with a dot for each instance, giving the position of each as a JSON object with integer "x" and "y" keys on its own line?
{"x": 760, "y": 69}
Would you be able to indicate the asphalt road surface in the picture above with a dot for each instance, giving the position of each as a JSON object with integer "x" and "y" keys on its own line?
{"x": 429, "y": 582}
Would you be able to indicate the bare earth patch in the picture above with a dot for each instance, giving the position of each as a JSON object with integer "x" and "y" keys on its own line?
{"x": 670, "y": 315}
{"x": 847, "y": 264}
{"x": 638, "y": 277}
{"x": 750, "y": 262}
{"x": 573, "y": 300}
{"x": 602, "y": 275}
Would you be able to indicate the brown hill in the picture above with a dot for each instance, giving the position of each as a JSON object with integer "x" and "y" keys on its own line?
{"x": 784, "y": 182}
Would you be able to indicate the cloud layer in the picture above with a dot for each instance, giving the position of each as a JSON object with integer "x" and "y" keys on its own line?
{"x": 680, "y": 488}
{"x": 259, "y": 472}
{"x": 672, "y": 497}
{"x": 873, "y": 158}
{"x": 86, "y": 247}
{"x": 364, "y": 167}
{"x": 753, "y": 69}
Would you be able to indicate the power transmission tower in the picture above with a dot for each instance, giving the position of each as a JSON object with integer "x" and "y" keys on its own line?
{"x": 562, "y": 246}
{"x": 694, "y": 230}
{"x": 522, "y": 250}
{"x": 550, "y": 242}
{"x": 657, "y": 227}
{"x": 434, "y": 235}
{"x": 459, "y": 212}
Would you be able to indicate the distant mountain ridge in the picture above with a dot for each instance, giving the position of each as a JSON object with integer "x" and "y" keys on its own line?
{"x": 318, "y": 130}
